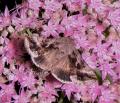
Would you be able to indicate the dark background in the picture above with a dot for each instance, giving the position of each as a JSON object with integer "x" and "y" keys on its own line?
{"x": 9, "y": 3}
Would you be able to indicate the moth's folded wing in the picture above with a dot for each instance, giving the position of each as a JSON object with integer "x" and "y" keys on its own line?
{"x": 30, "y": 46}
{"x": 62, "y": 70}
{"x": 45, "y": 60}
{"x": 39, "y": 61}
{"x": 61, "y": 75}
{"x": 58, "y": 68}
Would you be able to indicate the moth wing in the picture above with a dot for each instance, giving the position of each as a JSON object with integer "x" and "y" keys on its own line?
{"x": 62, "y": 70}
{"x": 61, "y": 75}
{"x": 45, "y": 60}
{"x": 50, "y": 60}
{"x": 59, "y": 68}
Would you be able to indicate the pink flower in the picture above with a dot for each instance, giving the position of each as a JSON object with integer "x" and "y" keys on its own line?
{"x": 22, "y": 21}
{"x": 114, "y": 17}
{"x": 74, "y": 23}
{"x": 82, "y": 42}
{"x": 5, "y": 19}
{"x": 94, "y": 91}
{"x": 115, "y": 88}
{"x": 105, "y": 67}
{"x": 6, "y": 92}
{"x": 52, "y": 5}
{"x": 102, "y": 50}
{"x": 66, "y": 23}
{"x": 116, "y": 47}
{"x": 89, "y": 90}
{"x": 22, "y": 98}
{"x": 84, "y": 91}
{"x": 91, "y": 60}
{"x": 35, "y": 4}
{"x": 70, "y": 88}
{"x": 46, "y": 97}
{"x": 74, "y": 5}
{"x": 99, "y": 31}
{"x": 50, "y": 29}
{"x": 98, "y": 6}
{"x": 29, "y": 80}
{"x": 47, "y": 94}
{"x": 25, "y": 78}
{"x": 107, "y": 96}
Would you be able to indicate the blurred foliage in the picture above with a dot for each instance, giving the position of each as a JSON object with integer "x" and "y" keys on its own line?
{"x": 99, "y": 76}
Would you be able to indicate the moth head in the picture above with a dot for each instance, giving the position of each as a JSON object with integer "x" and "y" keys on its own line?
{"x": 33, "y": 44}
{"x": 30, "y": 47}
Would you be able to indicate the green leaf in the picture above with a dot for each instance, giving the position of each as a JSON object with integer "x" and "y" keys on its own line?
{"x": 99, "y": 76}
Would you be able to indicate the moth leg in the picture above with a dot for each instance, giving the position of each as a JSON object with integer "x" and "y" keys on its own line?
{"x": 61, "y": 75}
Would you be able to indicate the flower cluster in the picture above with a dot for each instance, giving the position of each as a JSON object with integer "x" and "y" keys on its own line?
{"x": 94, "y": 25}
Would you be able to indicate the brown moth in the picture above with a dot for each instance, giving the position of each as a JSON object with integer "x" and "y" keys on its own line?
{"x": 55, "y": 55}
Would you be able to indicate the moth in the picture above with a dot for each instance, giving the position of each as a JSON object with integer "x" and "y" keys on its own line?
{"x": 57, "y": 56}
